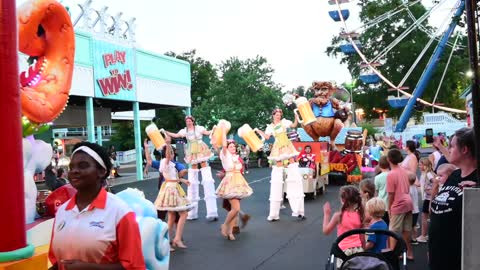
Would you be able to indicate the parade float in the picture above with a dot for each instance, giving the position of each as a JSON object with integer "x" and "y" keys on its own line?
{"x": 322, "y": 117}
{"x": 30, "y": 102}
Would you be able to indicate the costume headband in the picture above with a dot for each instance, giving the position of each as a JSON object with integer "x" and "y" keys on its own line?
{"x": 92, "y": 154}
{"x": 277, "y": 110}
{"x": 190, "y": 117}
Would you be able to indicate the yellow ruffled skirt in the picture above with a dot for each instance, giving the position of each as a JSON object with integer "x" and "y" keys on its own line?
{"x": 171, "y": 197}
{"x": 282, "y": 149}
{"x": 234, "y": 186}
{"x": 197, "y": 152}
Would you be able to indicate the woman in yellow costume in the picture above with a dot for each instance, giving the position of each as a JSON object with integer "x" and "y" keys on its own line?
{"x": 283, "y": 153}
{"x": 233, "y": 187}
{"x": 172, "y": 198}
{"x": 197, "y": 152}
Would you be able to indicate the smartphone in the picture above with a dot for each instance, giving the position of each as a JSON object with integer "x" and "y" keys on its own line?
{"x": 429, "y": 135}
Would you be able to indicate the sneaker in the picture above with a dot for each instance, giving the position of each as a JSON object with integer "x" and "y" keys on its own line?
{"x": 414, "y": 242}
{"x": 283, "y": 206}
{"x": 422, "y": 239}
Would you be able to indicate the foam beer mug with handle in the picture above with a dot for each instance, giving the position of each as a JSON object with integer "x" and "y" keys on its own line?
{"x": 216, "y": 136}
{"x": 154, "y": 135}
{"x": 249, "y": 136}
{"x": 306, "y": 112}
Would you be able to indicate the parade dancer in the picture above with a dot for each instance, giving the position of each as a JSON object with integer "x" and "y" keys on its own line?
{"x": 233, "y": 187}
{"x": 172, "y": 198}
{"x": 284, "y": 153}
{"x": 197, "y": 152}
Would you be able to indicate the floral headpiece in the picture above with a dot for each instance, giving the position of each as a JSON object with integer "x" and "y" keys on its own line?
{"x": 277, "y": 110}
{"x": 190, "y": 117}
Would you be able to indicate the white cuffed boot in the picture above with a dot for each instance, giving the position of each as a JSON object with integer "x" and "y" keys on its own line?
{"x": 295, "y": 193}
{"x": 276, "y": 193}
{"x": 192, "y": 193}
{"x": 209, "y": 192}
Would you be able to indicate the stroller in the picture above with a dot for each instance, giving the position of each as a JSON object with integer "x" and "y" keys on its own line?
{"x": 366, "y": 260}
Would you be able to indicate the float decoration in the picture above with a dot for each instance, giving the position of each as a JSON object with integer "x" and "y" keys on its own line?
{"x": 153, "y": 231}
{"x": 46, "y": 34}
{"x": 37, "y": 154}
{"x": 328, "y": 111}
{"x": 29, "y": 128}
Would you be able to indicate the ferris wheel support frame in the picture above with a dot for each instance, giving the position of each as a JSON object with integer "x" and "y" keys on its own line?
{"x": 427, "y": 74}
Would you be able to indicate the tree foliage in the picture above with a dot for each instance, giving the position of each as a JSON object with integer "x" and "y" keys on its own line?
{"x": 398, "y": 61}
{"x": 124, "y": 137}
{"x": 203, "y": 75}
{"x": 244, "y": 93}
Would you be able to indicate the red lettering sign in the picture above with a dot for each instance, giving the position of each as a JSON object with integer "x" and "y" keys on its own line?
{"x": 113, "y": 58}
{"x": 111, "y": 85}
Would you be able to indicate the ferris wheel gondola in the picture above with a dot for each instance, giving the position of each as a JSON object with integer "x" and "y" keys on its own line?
{"x": 346, "y": 47}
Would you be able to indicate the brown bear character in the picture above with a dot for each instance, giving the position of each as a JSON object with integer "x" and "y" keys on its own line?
{"x": 328, "y": 111}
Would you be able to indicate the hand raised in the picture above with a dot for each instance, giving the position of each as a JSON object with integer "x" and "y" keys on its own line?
{"x": 327, "y": 210}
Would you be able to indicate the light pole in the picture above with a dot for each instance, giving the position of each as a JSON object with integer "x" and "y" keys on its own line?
{"x": 350, "y": 87}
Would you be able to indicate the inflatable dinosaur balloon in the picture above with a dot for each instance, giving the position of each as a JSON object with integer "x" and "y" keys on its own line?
{"x": 46, "y": 35}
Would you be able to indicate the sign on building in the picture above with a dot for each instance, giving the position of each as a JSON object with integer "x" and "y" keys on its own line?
{"x": 114, "y": 71}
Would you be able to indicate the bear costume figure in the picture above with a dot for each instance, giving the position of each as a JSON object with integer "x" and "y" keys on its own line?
{"x": 329, "y": 112}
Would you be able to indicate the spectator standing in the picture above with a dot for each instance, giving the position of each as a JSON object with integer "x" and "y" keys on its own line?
{"x": 414, "y": 195}
{"x": 400, "y": 204}
{"x": 445, "y": 232}
{"x": 381, "y": 184}
{"x": 376, "y": 210}
{"x": 375, "y": 153}
{"x": 426, "y": 183}
{"x": 410, "y": 163}
{"x": 244, "y": 155}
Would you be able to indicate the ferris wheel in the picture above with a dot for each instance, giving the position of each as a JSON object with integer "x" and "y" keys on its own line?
{"x": 370, "y": 73}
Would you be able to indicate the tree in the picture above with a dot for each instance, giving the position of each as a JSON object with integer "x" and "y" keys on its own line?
{"x": 203, "y": 74}
{"x": 245, "y": 93}
{"x": 124, "y": 138}
{"x": 397, "y": 62}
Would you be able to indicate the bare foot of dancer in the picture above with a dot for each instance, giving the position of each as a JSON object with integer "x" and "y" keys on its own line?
{"x": 224, "y": 230}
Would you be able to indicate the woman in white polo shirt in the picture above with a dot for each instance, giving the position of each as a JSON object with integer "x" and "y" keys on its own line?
{"x": 94, "y": 229}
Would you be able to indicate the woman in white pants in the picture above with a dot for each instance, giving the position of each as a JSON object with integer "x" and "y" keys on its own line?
{"x": 283, "y": 153}
{"x": 197, "y": 152}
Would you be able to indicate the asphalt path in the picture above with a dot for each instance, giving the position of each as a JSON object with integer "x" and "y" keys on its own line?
{"x": 285, "y": 244}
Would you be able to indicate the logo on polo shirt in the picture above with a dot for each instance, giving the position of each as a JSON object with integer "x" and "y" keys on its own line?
{"x": 61, "y": 226}
{"x": 98, "y": 224}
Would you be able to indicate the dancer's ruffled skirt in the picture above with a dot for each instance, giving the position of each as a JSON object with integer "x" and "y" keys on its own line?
{"x": 234, "y": 186}
{"x": 282, "y": 149}
{"x": 171, "y": 197}
{"x": 197, "y": 152}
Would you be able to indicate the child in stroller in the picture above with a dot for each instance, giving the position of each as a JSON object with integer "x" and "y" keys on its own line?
{"x": 369, "y": 260}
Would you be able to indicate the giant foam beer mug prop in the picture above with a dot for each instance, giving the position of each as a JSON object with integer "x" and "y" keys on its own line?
{"x": 154, "y": 134}
{"x": 249, "y": 136}
{"x": 216, "y": 138}
{"x": 305, "y": 110}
